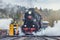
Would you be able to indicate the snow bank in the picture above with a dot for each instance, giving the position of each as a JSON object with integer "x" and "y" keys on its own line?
{"x": 4, "y": 23}
{"x": 50, "y": 31}
{"x": 54, "y": 31}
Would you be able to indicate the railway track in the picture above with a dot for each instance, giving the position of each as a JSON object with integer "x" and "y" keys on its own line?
{"x": 8, "y": 38}
{"x": 32, "y": 38}
{"x": 13, "y": 38}
{"x": 43, "y": 38}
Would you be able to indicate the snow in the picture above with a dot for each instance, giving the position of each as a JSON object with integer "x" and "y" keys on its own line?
{"x": 54, "y": 31}
{"x": 45, "y": 22}
{"x": 4, "y": 23}
{"x": 50, "y": 31}
{"x": 20, "y": 32}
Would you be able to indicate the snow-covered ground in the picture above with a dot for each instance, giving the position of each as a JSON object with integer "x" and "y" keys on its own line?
{"x": 4, "y": 23}
{"x": 54, "y": 31}
{"x": 50, "y": 31}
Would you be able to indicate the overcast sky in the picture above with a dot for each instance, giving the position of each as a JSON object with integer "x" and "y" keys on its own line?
{"x": 50, "y": 4}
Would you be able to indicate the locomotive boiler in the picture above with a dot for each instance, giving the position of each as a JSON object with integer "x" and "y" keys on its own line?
{"x": 32, "y": 21}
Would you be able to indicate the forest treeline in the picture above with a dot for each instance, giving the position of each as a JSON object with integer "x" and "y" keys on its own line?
{"x": 17, "y": 12}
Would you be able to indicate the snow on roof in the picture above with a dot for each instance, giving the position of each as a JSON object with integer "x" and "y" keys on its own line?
{"x": 45, "y": 21}
{"x": 4, "y": 23}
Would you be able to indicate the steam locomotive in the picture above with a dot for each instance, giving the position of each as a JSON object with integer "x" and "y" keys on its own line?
{"x": 32, "y": 21}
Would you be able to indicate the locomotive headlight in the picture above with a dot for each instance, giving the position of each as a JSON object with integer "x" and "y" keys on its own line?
{"x": 33, "y": 25}
{"x": 29, "y": 12}
{"x": 25, "y": 25}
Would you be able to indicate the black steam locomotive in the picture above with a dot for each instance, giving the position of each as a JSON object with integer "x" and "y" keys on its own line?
{"x": 32, "y": 21}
